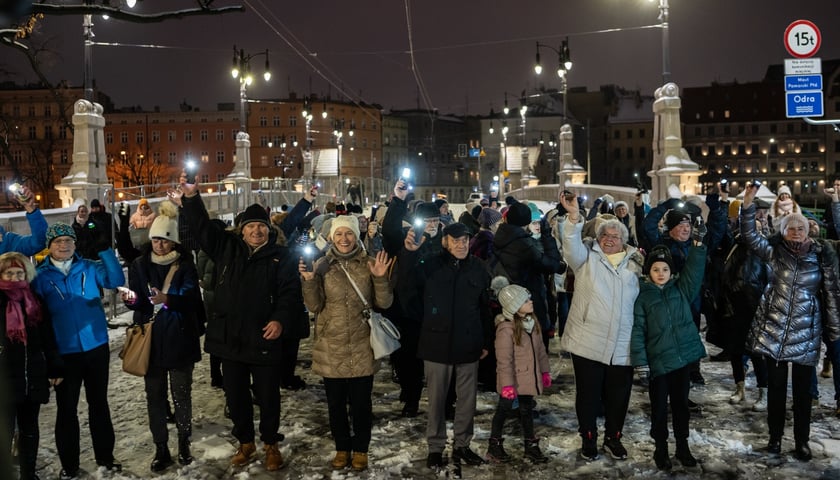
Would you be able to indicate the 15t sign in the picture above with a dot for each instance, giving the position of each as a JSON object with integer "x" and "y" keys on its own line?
{"x": 802, "y": 39}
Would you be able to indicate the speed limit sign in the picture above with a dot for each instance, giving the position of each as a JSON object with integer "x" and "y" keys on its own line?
{"x": 802, "y": 39}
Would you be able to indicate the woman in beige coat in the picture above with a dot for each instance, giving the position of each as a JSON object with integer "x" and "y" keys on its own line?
{"x": 342, "y": 353}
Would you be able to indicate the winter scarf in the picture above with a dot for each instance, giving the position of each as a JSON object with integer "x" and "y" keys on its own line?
{"x": 19, "y": 293}
{"x": 165, "y": 259}
{"x": 798, "y": 248}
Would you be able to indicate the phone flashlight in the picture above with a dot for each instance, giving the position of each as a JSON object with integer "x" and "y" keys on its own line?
{"x": 190, "y": 168}
{"x": 406, "y": 174}
{"x": 419, "y": 228}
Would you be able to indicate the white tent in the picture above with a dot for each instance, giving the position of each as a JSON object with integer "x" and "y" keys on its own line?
{"x": 764, "y": 193}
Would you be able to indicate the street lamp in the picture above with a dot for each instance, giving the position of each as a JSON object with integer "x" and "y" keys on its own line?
{"x": 564, "y": 65}
{"x": 666, "y": 56}
{"x": 87, "y": 29}
{"x": 241, "y": 69}
{"x": 767, "y": 155}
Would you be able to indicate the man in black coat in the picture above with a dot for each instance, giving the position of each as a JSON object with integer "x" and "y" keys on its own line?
{"x": 258, "y": 299}
{"x": 407, "y": 309}
{"x": 456, "y": 333}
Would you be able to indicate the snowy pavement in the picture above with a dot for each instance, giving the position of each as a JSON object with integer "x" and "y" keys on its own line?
{"x": 727, "y": 440}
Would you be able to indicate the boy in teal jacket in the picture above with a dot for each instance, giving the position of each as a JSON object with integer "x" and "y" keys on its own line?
{"x": 665, "y": 339}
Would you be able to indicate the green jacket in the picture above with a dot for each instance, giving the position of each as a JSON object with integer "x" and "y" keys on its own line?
{"x": 664, "y": 335}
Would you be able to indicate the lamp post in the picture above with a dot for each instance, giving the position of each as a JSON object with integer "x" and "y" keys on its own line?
{"x": 241, "y": 70}
{"x": 666, "y": 49}
{"x": 564, "y": 65}
{"x": 767, "y": 155}
{"x": 87, "y": 29}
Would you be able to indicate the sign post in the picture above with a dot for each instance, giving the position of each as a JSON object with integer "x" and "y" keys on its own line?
{"x": 803, "y": 74}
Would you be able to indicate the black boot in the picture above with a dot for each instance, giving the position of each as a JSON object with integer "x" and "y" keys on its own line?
{"x": 683, "y": 454}
{"x": 660, "y": 456}
{"x": 533, "y": 452}
{"x": 162, "y": 458}
{"x": 802, "y": 451}
{"x": 496, "y": 451}
{"x": 27, "y": 456}
{"x": 184, "y": 455}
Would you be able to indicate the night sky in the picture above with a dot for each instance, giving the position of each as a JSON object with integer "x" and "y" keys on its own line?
{"x": 468, "y": 53}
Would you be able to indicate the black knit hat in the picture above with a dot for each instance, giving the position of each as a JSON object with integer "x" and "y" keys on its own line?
{"x": 519, "y": 214}
{"x": 426, "y": 210}
{"x": 660, "y": 253}
{"x": 674, "y": 217}
{"x": 254, "y": 213}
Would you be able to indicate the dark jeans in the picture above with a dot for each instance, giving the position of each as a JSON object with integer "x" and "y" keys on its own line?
{"x": 673, "y": 385}
{"x": 736, "y": 360}
{"x": 408, "y": 367}
{"x": 596, "y": 382}
{"x": 505, "y": 410}
{"x": 266, "y": 388}
{"x": 288, "y": 359}
{"x": 562, "y": 311}
{"x": 215, "y": 369}
{"x": 91, "y": 369}
{"x": 355, "y": 393}
{"x": 25, "y": 416}
{"x": 180, "y": 383}
{"x": 777, "y": 376}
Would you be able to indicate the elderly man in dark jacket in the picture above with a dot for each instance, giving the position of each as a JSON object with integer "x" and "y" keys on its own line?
{"x": 407, "y": 309}
{"x": 456, "y": 333}
{"x": 258, "y": 299}
{"x": 525, "y": 260}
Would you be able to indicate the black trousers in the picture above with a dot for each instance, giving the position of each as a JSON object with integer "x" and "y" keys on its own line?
{"x": 289, "y": 354}
{"x": 673, "y": 385}
{"x": 596, "y": 382}
{"x": 777, "y": 376}
{"x": 409, "y": 368}
{"x": 266, "y": 387}
{"x": 25, "y": 416}
{"x": 180, "y": 383}
{"x": 355, "y": 394}
{"x": 91, "y": 369}
{"x": 505, "y": 410}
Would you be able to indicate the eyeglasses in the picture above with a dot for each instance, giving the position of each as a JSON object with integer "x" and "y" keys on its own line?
{"x": 460, "y": 240}
{"x": 13, "y": 275}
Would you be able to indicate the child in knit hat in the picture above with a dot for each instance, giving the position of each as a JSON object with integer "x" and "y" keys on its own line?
{"x": 665, "y": 340}
{"x": 519, "y": 350}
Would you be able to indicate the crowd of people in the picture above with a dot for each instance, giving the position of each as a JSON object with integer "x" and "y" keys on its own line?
{"x": 476, "y": 302}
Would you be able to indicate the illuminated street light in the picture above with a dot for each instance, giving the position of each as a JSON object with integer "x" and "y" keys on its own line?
{"x": 241, "y": 69}
{"x": 564, "y": 65}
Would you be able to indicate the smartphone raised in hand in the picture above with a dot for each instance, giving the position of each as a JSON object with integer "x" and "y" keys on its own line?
{"x": 406, "y": 174}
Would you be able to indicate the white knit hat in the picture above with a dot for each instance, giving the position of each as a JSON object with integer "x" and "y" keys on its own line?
{"x": 512, "y": 298}
{"x": 166, "y": 223}
{"x": 348, "y": 221}
{"x": 783, "y": 189}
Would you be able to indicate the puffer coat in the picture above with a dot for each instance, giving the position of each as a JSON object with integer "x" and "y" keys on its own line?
{"x": 342, "y": 336}
{"x": 800, "y": 300}
{"x": 520, "y": 366}
{"x": 600, "y": 319}
{"x": 664, "y": 334}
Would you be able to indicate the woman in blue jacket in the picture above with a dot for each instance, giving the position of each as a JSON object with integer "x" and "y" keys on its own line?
{"x": 69, "y": 286}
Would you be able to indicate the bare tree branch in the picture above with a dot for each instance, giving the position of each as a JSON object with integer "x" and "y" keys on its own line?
{"x": 119, "y": 14}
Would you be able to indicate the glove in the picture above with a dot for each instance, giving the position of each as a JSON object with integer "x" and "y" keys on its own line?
{"x": 713, "y": 202}
{"x": 546, "y": 378}
{"x": 643, "y": 372}
{"x": 509, "y": 392}
{"x": 699, "y": 230}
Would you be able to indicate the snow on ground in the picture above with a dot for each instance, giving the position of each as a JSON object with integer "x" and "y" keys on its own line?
{"x": 728, "y": 440}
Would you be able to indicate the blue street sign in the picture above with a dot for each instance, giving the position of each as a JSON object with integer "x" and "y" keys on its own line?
{"x": 804, "y": 104}
{"x": 475, "y": 152}
{"x": 798, "y": 83}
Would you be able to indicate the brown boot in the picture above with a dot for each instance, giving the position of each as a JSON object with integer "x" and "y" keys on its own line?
{"x": 244, "y": 454}
{"x": 360, "y": 461}
{"x": 341, "y": 460}
{"x": 273, "y": 458}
